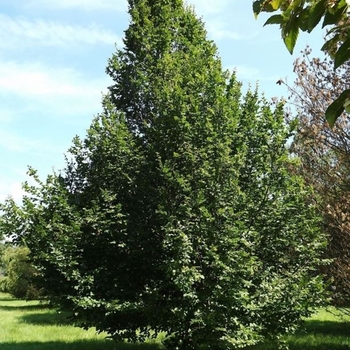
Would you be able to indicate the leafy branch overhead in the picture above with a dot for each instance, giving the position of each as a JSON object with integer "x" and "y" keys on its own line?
{"x": 305, "y": 15}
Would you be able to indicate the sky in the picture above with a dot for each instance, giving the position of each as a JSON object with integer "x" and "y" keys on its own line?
{"x": 53, "y": 55}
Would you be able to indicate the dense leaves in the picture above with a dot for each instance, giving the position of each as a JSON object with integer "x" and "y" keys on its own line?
{"x": 305, "y": 15}
{"x": 176, "y": 213}
{"x": 18, "y": 274}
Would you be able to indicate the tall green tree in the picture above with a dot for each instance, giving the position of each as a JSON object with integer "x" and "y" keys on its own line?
{"x": 177, "y": 212}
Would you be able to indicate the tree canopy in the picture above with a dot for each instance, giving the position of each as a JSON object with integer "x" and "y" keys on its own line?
{"x": 177, "y": 212}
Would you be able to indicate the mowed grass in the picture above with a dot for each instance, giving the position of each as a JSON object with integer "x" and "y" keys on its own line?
{"x": 34, "y": 326}
{"x": 29, "y": 325}
{"x": 328, "y": 329}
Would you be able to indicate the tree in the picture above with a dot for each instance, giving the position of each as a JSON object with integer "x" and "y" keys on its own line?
{"x": 19, "y": 273}
{"x": 2, "y": 267}
{"x": 177, "y": 212}
{"x": 325, "y": 160}
{"x": 305, "y": 15}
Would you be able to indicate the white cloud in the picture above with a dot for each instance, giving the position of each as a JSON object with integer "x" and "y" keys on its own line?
{"x": 219, "y": 34}
{"x": 215, "y": 15}
{"x": 217, "y": 30}
{"x": 203, "y": 7}
{"x": 40, "y": 91}
{"x": 16, "y": 143}
{"x": 62, "y": 91}
{"x": 12, "y": 189}
{"x": 33, "y": 79}
{"x": 6, "y": 114}
{"x": 245, "y": 72}
{"x": 86, "y": 5}
{"x": 20, "y": 31}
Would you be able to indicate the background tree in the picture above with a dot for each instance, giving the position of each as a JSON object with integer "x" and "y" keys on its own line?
{"x": 325, "y": 160}
{"x": 19, "y": 273}
{"x": 177, "y": 212}
{"x": 305, "y": 15}
{"x": 2, "y": 267}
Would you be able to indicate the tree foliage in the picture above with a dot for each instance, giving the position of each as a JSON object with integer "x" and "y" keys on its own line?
{"x": 176, "y": 213}
{"x": 305, "y": 15}
{"x": 325, "y": 160}
{"x": 18, "y": 273}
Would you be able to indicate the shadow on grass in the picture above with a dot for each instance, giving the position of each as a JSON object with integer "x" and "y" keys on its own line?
{"x": 301, "y": 346}
{"x": 23, "y": 307}
{"x": 322, "y": 335}
{"x": 47, "y": 319}
{"x": 318, "y": 328}
{"x": 9, "y": 298}
{"x": 315, "y": 335}
{"x": 322, "y": 346}
{"x": 78, "y": 345}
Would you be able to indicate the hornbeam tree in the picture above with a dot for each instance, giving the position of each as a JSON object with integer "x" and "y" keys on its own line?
{"x": 176, "y": 213}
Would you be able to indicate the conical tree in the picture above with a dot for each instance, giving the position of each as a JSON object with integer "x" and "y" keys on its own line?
{"x": 178, "y": 212}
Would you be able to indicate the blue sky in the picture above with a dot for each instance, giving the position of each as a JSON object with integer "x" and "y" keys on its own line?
{"x": 53, "y": 55}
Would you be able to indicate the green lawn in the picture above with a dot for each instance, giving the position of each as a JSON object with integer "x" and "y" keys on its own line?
{"x": 29, "y": 325}
{"x": 329, "y": 329}
{"x": 33, "y": 326}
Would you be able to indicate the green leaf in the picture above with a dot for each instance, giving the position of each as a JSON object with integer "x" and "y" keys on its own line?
{"x": 304, "y": 20}
{"x": 257, "y": 7}
{"x": 290, "y": 37}
{"x": 262, "y": 6}
{"x": 275, "y": 19}
{"x": 276, "y": 4}
{"x": 338, "y": 5}
{"x": 330, "y": 46}
{"x": 296, "y": 5}
{"x": 315, "y": 14}
{"x": 343, "y": 54}
{"x": 336, "y": 108}
{"x": 333, "y": 17}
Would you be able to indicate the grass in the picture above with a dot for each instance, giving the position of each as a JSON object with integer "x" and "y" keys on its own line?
{"x": 33, "y": 326}
{"x": 329, "y": 329}
{"x": 29, "y": 325}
